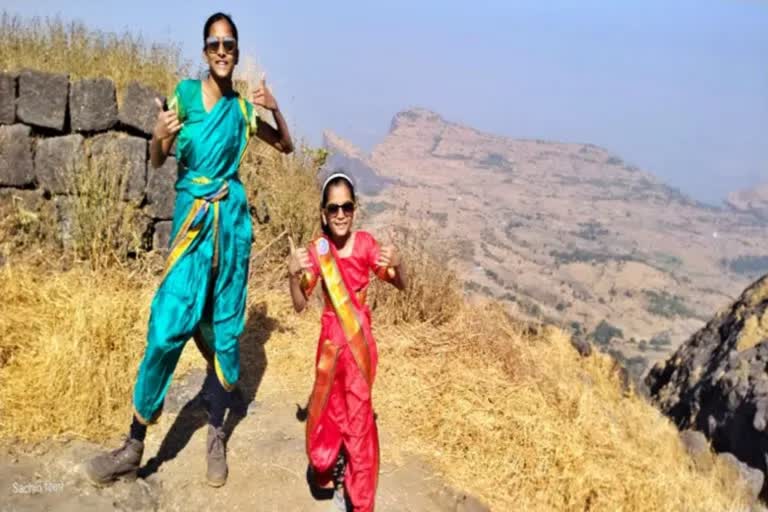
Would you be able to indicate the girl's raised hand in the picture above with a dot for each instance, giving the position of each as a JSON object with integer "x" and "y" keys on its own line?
{"x": 298, "y": 259}
{"x": 389, "y": 256}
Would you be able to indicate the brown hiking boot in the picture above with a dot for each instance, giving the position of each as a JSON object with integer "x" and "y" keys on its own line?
{"x": 122, "y": 463}
{"x": 217, "y": 457}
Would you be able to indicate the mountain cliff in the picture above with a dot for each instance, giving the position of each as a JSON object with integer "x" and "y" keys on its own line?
{"x": 566, "y": 232}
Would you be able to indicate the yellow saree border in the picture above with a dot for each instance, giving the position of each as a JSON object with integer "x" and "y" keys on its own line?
{"x": 346, "y": 307}
{"x": 220, "y": 374}
{"x": 251, "y": 124}
{"x": 324, "y": 374}
{"x": 193, "y": 223}
{"x": 145, "y": 421}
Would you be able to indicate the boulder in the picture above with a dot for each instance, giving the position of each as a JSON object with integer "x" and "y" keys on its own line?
{"x": 7, "y": 98}
{"x": 138, "y": 109}
{"x": 16, "y": 166}
{"x": 65, "y": 220}
{"x": 42, "y": 100}
{"x": 92, "y": 105}
{"x": 162, "y": 236}
{"x": 125, "y": 155}
{"x": 751, "y": 477}
{"x": 697, "y": 446}
{"x": 161, "y": 192}
{"x": 57, "y": 159}
{"x": 582, "y": 346}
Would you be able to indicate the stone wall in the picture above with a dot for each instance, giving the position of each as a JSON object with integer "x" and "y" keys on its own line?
{"x": 51, "y": 125}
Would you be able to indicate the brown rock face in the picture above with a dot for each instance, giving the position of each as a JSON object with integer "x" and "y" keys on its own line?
{"x": 717, "y": 381}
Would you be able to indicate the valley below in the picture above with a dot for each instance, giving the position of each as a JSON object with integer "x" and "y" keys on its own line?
{"x": 564, "y": 233}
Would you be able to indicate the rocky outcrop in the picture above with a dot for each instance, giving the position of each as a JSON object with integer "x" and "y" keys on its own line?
{"x": 753, "y": 200}
{"x": 717, "y": 381}
{"x": 345, "y": 156}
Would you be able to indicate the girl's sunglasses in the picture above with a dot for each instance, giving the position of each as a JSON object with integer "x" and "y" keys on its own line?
{"x": 213, "y": 43}
{"x": 333, "y": 209}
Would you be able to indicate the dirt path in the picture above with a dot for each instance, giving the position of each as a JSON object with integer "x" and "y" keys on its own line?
{"x": 266, "y": 460}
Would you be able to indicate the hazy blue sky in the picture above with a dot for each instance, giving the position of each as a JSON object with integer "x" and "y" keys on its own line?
{"x": 679, "y": 88}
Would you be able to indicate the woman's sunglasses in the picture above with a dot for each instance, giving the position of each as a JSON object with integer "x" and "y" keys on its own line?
{"x": 333, "y": 209}
{"x": 212, "y": 44}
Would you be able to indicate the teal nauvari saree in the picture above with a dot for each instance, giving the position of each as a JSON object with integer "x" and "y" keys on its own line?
{"x": 204, "y": 285}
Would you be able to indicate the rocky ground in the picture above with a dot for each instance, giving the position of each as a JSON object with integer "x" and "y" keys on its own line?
{"x": 266, "y": 459}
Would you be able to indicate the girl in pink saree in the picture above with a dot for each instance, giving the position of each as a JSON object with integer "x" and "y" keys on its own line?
{"x": 341, "y": 438}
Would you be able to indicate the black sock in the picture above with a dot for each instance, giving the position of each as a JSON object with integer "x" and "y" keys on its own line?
{"x": 138, "y": 430}
{"x": 338, "y": 469}
{"x": 220, "y": 399}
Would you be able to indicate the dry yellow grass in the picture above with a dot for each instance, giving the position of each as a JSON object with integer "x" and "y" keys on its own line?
{"x": 69, "y": 350}
{"x": 70, "y": 342}
{"x": 433, "y": 294}
{"x": 104, "y": 227}
{"x": 56, "y": 46}
{"x": 283, "y": 190}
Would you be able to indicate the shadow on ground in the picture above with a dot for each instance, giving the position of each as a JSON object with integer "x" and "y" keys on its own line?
{"x": 192, "y": 415}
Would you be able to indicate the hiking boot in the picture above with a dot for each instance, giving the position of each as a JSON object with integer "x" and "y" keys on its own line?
{"x": 217, "y": 457}
{"x": 122, "y": 463}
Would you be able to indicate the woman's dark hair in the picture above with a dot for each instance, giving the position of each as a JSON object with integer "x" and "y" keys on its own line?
{"x": 213, "y": 18}
{"x": 324, "y": 202}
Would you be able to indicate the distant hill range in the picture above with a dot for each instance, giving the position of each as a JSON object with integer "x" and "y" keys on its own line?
{"x": 565, "y": 232}
{"x": 753, "y": 200}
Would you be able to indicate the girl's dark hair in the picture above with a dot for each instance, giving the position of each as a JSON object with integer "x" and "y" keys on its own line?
{"x": 213, "y": 18}
{"x": 324, "y": 201}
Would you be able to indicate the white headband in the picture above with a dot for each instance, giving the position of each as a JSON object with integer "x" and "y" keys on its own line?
{"x": 333, "y": 177}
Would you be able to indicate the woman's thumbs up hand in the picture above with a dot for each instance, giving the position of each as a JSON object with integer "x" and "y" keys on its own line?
{"x": 167, "y": 123}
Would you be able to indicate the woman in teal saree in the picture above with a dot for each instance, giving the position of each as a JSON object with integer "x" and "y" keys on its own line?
{"x": 203, "y": 289}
